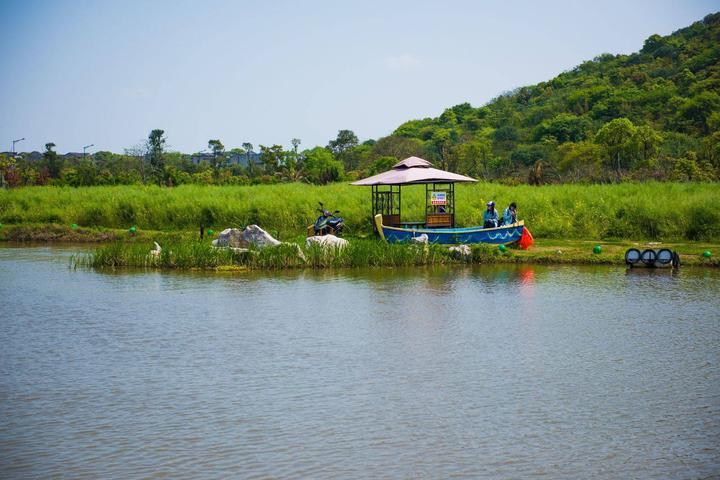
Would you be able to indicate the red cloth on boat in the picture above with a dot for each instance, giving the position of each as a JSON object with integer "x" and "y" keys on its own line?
{"x": 526, "y": 240}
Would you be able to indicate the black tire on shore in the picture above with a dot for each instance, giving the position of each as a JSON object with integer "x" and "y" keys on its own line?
{"x": 676, "y": 260}
{"x": 648, "y": 256}
{"x": 632, "y": 256}
{"x": 664, "y": 256}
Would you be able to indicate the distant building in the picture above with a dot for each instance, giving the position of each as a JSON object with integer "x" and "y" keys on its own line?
{"x": 32, "y": 156}
{"x": 230, "y": 158}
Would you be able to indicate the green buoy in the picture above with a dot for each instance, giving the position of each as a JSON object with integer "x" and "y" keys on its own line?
{"x": 132, "y": 230}
{"x": 707, "y": 254}
{"x": 211, "y": 232}
{"x": 597, "y": 249}
{"x": 502, "y": 248}
{"x": 74, "y": 226}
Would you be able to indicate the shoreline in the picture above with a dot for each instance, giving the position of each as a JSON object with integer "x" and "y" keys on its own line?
{"x": 545, "y": 251}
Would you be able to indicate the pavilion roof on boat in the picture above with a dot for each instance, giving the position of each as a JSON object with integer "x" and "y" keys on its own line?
{"x": 439, "y": 192}
{"x": 413, "y": 170}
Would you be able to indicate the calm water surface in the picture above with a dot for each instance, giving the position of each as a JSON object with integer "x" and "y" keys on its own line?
{"x": 489, "y": 372}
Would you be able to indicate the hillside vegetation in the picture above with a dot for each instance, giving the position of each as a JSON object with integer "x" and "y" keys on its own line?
{"x": 651, "y": 114}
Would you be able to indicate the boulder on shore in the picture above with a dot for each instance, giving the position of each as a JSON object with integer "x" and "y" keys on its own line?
{"x": 251, "y": 236}
{"x": 462, "y": 252}
{"x": 327, "y": 241}
{"x": 230, "y": 237}
{"x": 256, "y": 236}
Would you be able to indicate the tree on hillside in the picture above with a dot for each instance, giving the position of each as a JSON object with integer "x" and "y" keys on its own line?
{"x": 474, "y": 158}
{"x": 218, "y": 151}
{"x": 272, "y": 158}
{"x": 248, "y": 155}
{"x": 7, "y": 163}
{"x": 565, "y": 128}
{"x": 345, "y": 140}
{"x": 321, "y": 167}
{"x": 441, "y": 142}
{"x": 53, "y": 163}
{"x": 580, "y": 160}
{"x": 647, "y": 142}
{"x": 156, "y": 154}
{"x": 616, "y": 136}
{"x": 382, "y": 164}
{"x": 398, "y": 147}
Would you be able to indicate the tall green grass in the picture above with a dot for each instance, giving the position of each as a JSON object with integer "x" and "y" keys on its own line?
{"x": 668, "y": 211}
{"x": 201, "y": 255}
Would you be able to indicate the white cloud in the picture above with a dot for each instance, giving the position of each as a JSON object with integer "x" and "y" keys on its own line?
{"x": 404, "y": 61}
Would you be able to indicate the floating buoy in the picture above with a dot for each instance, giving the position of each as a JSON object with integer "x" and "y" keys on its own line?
{"x": 597, "y": 249}
{"x": 707, "y": 254}
{"x": 74, "y": 226}
{"x": 211, "y": 232}
{"x": 132, "y": 230}
{"x": 502, "y": 248}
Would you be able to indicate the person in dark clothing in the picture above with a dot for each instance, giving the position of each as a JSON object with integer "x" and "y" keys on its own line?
{"x": 490, "y": 216}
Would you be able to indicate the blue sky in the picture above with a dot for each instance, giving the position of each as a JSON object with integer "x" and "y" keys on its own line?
{"x": 101, "y": 72}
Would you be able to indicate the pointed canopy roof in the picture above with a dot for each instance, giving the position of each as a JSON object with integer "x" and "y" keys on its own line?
{"x": 413, "y": 170}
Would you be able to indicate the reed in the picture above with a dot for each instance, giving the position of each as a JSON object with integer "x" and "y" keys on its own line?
{"x": 201, "y": 255}
{"x": 194, "y": 254}
{"x": 641, "y": 211}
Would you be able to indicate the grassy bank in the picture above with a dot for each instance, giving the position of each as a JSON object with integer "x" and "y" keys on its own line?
{"x": 651, "y": 211}
{"x": 363, "y": 253}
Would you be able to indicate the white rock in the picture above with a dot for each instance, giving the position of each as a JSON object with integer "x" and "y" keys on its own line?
{"x": 461, "y": 251}
{"x": 326, "y": 241}
{"x": 230, "y": 237}
{"x": 254, "y": 235}
{"x": 423, "y": 238}
{"x": 242, "y": 239}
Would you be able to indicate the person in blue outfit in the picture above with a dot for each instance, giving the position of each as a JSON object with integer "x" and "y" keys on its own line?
{"x": 490, "y": 217}
{"x": 510, "y": 214}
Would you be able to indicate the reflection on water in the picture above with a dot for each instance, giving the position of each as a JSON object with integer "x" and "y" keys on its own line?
{"x": 492, "y": 371}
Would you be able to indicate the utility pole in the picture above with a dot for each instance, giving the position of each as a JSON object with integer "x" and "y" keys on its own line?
{"x": 13, "y": 145}
{"x": 86, "y": 147}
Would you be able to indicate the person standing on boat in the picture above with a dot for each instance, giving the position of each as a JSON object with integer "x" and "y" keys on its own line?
{"x": 490, "y": 217}
{"x": 510, "y": 214}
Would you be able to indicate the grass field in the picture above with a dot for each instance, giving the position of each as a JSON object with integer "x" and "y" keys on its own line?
{"x": 647, "y": 211}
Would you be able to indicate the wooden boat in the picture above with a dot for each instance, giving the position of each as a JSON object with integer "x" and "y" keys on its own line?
{"x": 449, "y": 236}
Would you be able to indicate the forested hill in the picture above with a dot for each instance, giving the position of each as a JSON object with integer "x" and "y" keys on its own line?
{"x": 654, "y": 114}
{"x": 651, "y": 114}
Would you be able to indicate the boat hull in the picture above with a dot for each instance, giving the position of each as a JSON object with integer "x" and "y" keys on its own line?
{"x": 453, "y": 236}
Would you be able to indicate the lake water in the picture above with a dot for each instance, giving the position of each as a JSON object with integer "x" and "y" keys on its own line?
{"x": 483, "y": 372}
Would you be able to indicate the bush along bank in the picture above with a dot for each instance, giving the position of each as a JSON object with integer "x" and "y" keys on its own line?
{"x": 201, "y": 255}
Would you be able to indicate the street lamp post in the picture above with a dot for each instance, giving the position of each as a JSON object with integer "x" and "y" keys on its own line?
{"x": 86, "y": 147}
{"x": 13, "y": 145}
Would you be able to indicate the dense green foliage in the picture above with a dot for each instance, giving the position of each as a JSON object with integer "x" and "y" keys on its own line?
{"x": 654, "y": 114}
{"x": 651, "y": 210}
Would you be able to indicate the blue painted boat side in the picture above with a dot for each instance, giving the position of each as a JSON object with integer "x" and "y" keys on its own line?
{"x": 453, "y": 236}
